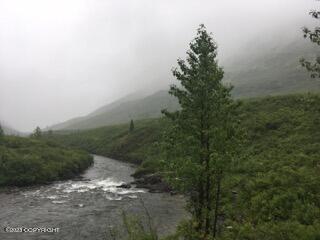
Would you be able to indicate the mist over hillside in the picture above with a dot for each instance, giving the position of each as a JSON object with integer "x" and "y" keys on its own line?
{"x": 270, "y": 68}
{"x": 10, "y": 131}
{"x": 123, "y": 111}
{"x": 100, "y": 51}
{"x": 254, "y": 71}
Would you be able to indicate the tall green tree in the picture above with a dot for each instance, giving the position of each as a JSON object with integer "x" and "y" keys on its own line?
{"x": 37, "y": 133}
{"x": 202, "y": 139}
{"x": 314, "y": 36}
{"x": 131, "y": 127}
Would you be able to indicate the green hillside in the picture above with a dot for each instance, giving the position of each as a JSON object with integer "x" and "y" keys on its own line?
{"x": 255, "y": 71}
{"x": 115, "y": 141}
{"x": 258, "y": 71}
{"x": 277, "y": 182}
{"x": 148, "y": 107}
{"x": 27, "y": 161}
{"x": 85, "y": 120}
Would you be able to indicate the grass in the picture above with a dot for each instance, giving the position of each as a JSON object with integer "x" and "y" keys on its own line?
{"x": 116, "y": 141}
{"x": 27, "y": 161}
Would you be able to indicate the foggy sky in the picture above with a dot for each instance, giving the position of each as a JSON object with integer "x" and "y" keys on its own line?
{"x": 64, "y": 58}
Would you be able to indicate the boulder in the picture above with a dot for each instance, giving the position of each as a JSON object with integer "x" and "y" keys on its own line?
{"x": 153, "y": 182}
{"x": 124, "y": 185}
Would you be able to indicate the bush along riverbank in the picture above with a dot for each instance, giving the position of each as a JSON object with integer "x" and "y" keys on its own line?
{"x": 274, "y": 189}
{"x": 28, "y": 161}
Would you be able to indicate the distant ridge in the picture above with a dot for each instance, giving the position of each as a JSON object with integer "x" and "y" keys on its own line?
{"x": 122, "y": 111}
{"x": 272, "y": 72}
{"x": 131, "y": 97}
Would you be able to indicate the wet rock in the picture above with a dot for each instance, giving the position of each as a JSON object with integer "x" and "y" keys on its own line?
{"x": 172, "y": 192}
{"x": 159, "y": 188}
{"x": 124, "y": 185}
{"x": 153, "y": 178}
{"x": 153, "y": 182}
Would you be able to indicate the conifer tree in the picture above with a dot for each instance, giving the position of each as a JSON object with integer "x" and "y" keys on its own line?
{"x": 1, "y": 132}
{"x": 203, "y": 132}
{"x": 37, "y": 133}
{"x": 131, "y": 128}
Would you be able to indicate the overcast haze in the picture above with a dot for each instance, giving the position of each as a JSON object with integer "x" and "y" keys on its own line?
{"x": 64, "y": 58}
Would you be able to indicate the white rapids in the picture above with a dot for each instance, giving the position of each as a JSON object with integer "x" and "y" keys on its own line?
{"x": 59, "y": 193}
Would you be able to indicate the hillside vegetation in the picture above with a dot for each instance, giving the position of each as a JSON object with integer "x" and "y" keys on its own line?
{"x": 116, "y": 141}
{"x": 123, "y": 111}
{"x": 273, "y": 71}
{"x": 260, "y": 72}
{"x": 275, "y": 186}
{"x": 27, "y": 161}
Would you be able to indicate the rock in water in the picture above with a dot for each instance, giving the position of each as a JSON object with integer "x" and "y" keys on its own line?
{"x": 124, "y": 185}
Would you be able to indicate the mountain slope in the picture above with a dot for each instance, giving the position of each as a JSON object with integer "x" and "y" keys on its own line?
{"x": 148, "y": 107}
{"x": 258, "y": 72}
{"x": 131, "y": 97}
{"x": 253, "y": 72}
{"x": 74, "y": 121}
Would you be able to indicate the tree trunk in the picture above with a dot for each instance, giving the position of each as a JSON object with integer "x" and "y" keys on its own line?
{"x": 200, "y": 204}
{"x": 217, "y": 205}
{"x": 201, "y": 190}
{"x": 208, "y": 188}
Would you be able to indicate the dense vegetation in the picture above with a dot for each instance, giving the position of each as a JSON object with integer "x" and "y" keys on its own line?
{"x": 26, "y": 161}
{"x": 275, "y": 188}
{"x": 115, "y": 141}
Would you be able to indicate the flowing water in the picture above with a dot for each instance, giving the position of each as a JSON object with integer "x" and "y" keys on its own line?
{"x": 87, "y": 208}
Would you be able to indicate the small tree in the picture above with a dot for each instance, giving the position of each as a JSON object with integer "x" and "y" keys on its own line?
{"x": 314, "y": 37}
{"x": 37, "y": 133}
{"x": 202, "y": 138}
{"x": 1, "y": 133}
{"x": 131, "y": 128}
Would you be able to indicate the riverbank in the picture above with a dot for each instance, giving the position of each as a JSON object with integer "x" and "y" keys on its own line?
{"x": 29, "y": 161}
{"x": 88, "y": 208}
